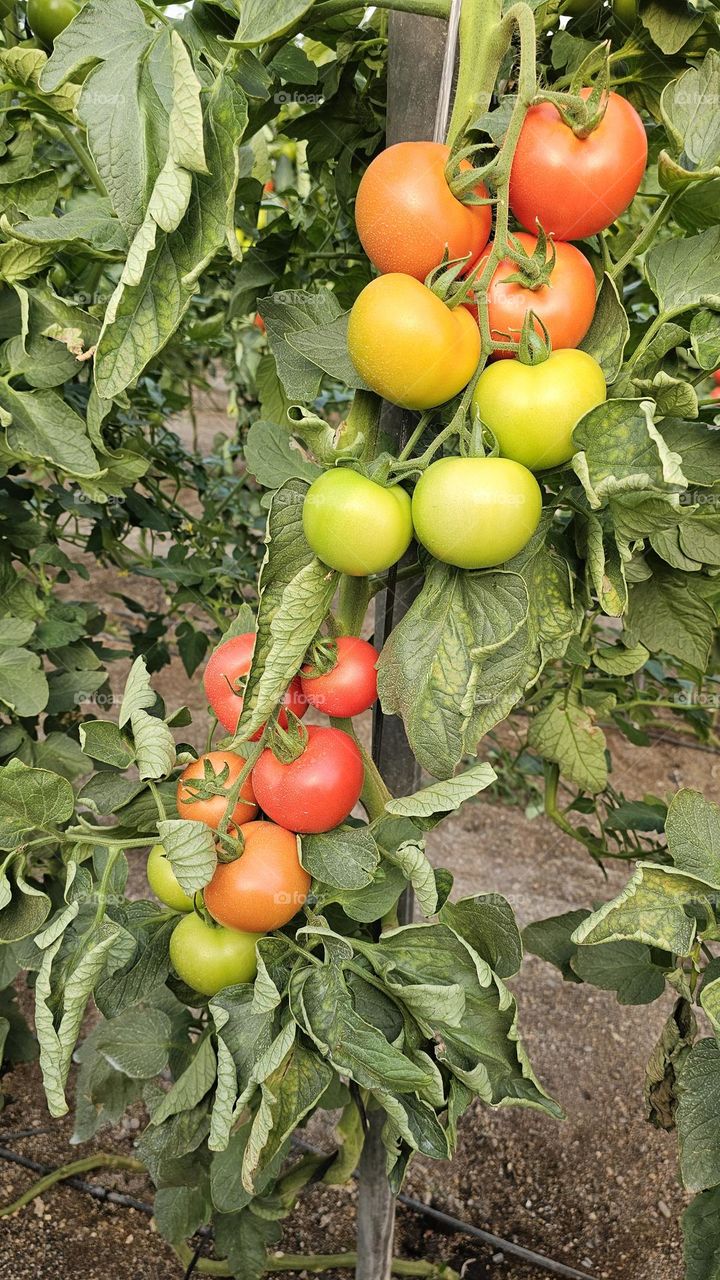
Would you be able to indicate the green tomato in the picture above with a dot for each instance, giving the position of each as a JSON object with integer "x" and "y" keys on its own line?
{"x": 576, "y": 8}
{"x": 476, "y": 512}
{"x": 355, "y": 525}
{"x": 163, "y": 881}
{"x": 209, "y": 957}
{"x": 533, "y": 409}
{"x": 47, "y": 18}
{"x": 625, "y": 12}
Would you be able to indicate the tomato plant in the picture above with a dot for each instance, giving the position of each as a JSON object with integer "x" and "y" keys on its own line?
{"x": 407, "y": 216}
{"x": 263, "y": 888}
{"x": 208, "y": 957}
{"x": 408, "y": 345}
{"x": 356, "y": 525}
{"x": 224, "y": 680}
{"x": 533, "y": 409}
{"x": 342, "y": 679}
{"x": 203, "y": 787}
{"x": 572, "y": 182}
{"x": 476, "y": 512}
{"x": 559, "y": 612}
{"x": 318, "y": 789}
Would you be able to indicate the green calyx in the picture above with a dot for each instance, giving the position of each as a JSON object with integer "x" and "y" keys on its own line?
{"x": 535, "y": 269}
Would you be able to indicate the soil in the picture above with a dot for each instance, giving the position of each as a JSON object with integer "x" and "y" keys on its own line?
{"x": 598, "y": 1191}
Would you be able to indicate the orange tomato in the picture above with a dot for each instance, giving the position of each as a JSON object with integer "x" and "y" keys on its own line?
{"x": 212, "y": 810}
{"x": 264, "y": 887}
{"x": 566, "y": 305}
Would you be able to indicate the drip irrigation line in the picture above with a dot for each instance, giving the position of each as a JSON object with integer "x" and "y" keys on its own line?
{"x": 79, "y": 1184}
{"x": 446, "y": 1220}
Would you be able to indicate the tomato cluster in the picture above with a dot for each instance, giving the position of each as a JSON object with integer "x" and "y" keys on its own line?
{"x": 312, "y": 788}
{"x": 417, "y": 345}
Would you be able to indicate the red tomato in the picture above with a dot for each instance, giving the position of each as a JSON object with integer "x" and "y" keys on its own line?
{"x": 259, "y": 322}
{"x": 263, "y": 888}
{"x": 566, "y": 305}
{"x": 351, "y": 686}
{"x": 716, "y": 377}
{"x": 715, "y": 393}
{"x": 406, "y": 213}
{"x": 224, "y": 681}
{"x": 577, "y": 186}
{"x": 212, "y": 810}
{"x": 318, "y": 790}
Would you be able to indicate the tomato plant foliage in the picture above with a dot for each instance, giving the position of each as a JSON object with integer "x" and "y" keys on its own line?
{"x": 162, "y": 181}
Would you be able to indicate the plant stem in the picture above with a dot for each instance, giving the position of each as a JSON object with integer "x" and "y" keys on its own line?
{"x": 102, "y": 1160}
{"x": 83, "y": 155}
{"x": 425, "y": 8}
{"x": 316, "y": 1263}
{"x": 647, "y": 235}
{"x": 481, "y": 52}
{"x": 353, "y": 600}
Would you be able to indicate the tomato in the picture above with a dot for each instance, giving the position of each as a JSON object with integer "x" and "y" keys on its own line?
{"x": 625, "y": 12}
{"x": 318, "y": 790}
{"x": 351, "y": 686}
{"x": 259, "y": 322}
{"x": 212, "y": 810}
{"x": 408, "y": 346}
{"x": 406, "y": 214}
{"x": 163, "y": 881}
{"x": 47, "y": 18}
{"x": 533, "y": 409}
{"x": 716, "y": 377}
{"x": 476, "y": 512}
{"x": 265, "y": 887}
{"x": 577, "y": 186}
{"x": 224, "y": 682}
{"x": 566, "y": 305}
{"x": 355, "y": 525}
{"x": 715, "y": 393}
{"x": 208, "y": 957}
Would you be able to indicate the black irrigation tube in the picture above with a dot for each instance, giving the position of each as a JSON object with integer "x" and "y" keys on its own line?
{"x": 415, "y": 1206}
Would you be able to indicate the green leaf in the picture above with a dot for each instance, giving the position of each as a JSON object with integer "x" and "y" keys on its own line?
{"x": 322, "y": 1006}
{"x": 444, "y": 797}
{"x": 488, "y": 923}
{"x": 136, "y": 1043}
{"x": 273, "y": 458}
{"x": 344, "y": 858}
{"x": 652, "y": 908}
{"x": 429, "y": 671}
{"x": 620, "y": 450}
{"x": 566, "y": 733}
{"x": 287, "y": 1096}
{"x": 710, "y": 1001}
{"x": 617, "y": 660}
{"x": 606, "y": 338}
{"x": 411, "y": 859}
{"x": 154, "y": 745}
{"x": 705, "y": 342}
{"x": 91, "y": 225}
{"x": 263, "y": 20}
{"x": 624, "y": 967}
{"x": 23, "y": 684}
{"x": 190, "y": 848}
{"x": 693, "y": 835}
{"x": 667, "y": 614}
{"x": 698, "y": 1117}
{"x": 326, "y": 346}
{"x": 552, "y": 940}
{"x": 31, "y": 800}
{"x": 701, "y": 1232}
{"x": 286, "y": 314}
{"x": 179, "y": 1211}
{"x": 138, "y": 695}
{"x": 685, "y": 273}
{"x": 670, "y": 26}
{"x": 44, "y": 429}
{"x": 296, "y": 591}
{"x": 190, "y": 1088}
{"x": 102, "y": 740}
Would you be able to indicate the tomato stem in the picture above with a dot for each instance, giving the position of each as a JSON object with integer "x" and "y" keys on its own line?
{"x": 315, "y": 1263}
{"x": 103, "y": 1160}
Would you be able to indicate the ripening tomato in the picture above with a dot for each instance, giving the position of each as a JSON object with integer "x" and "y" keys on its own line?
{"x": 211, "y": 766}
{"x": 566, "y": 305}
{"x": 715, "y": 393}
{"x": 350, "y": 687}
{"x": 317, "y": 791}
{"x": 47, "y": 18}
{"x": 263, "y": 888}
{"x": 208, "y": 957}
{"x": 164, "y": 882}
{"x": 408, "y": 346}
{"x": 716, "y": 377}
{"x": 533, "y": 409}
{"x": 406, "y": 214}
{"x": 224, "y": 682}
{"x": 355, "y": 525}
{"x": 577, "y": 186}
{"x": 476, "y": 512}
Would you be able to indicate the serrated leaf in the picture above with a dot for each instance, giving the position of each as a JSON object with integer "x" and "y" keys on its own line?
{"x": 31, "y": 800}
{"x": 566, "y": 733}
{"x": 190, "y": 848}
{"x": 344, "y": 858}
